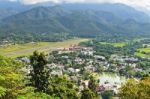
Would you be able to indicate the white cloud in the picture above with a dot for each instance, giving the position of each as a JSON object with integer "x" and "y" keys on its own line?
{"x": 139, "y": 3}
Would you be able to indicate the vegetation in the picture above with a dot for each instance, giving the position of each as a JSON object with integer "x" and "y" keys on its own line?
{"x": 40, "y": 83}
{"x": 11, "y": 78}
{"x": 121, "y": 44}
{"x": 107, "y": 49}
{"x": 15, "y": 85}
{"x": 39, "y": 74}
{"x": 107, "y": 94}
{"x": 54, "y": 86}
{"x": 60, "y": 23}
{"x": 143, "y": 52}
{"x": 88, "y": 94}
{"x": 130, "y": 49}
{"x": 72, "y": 67}
{"x": 134, "y": 89}
{"x": 17, "y": 50}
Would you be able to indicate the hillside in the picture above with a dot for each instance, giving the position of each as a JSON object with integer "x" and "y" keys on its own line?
{"x": 7, "y": 12}
{"x": 123, "y": 11}
{"x": 44, "y": 22}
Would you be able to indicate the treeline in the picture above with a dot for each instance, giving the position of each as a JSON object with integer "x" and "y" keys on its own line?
{"x": 34, "y": 37}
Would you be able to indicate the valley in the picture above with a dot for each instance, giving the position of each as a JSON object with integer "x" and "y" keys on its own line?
{"x": 74, "y": 49}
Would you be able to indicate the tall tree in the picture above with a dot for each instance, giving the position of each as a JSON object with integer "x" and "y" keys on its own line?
{"x": 92, "y": 84}
{"x": 39, "y": 74}
{"x": 11, "y": 78}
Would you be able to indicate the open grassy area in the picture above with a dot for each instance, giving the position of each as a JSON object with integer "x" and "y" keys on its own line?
{"x": 120, "y": 44}
{"x": 147, "y": 50}
{"x": 141, "y": 54}
{"x": 29, "y": 48}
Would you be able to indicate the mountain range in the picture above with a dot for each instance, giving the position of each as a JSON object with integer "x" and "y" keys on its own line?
{"x": 84, "y": 20}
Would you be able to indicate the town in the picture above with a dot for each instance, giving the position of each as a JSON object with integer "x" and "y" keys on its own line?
{"x": 79, "y": 62}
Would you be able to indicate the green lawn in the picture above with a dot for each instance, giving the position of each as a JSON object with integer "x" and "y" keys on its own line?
{"x": 140, "y": 54}
{"x": 29, "y": 48}
{"x": 120, "y": 44}
{"x": 147, "y": 50}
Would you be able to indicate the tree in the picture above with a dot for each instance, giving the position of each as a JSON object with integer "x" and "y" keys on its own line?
{"x": 100, "y": 69}
{"x": 92, "y": 84}
{"x": 39, "y": 74}
{"x": 11, "y": 78}
{"x": 28, "y": 93}
{"x": 87, "y": 94}
{"x": 107, "y": 94}
{"x": 63, "y": 88}
{"x": 134, "y": 89}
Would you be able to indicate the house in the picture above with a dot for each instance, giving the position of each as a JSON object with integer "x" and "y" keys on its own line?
{"x": 75, "y": 48}
{"x": 57, "y": 72}
{"x": 72, "y": 70}
{"x": 55, "y": 66}
{"x": 79, "y": 60}
{"x": 24, "y": 59}
{"x": 131, "y": 60}
{"x": 90, "y": 53}
{"x": 100, "y": 88}
{"x": 98, "y": 57}
{"x": 77, "y": 70}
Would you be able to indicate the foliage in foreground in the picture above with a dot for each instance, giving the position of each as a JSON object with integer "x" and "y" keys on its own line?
{"x": 10, "y": 78}
{"x": 43, "y": 82}
{"x": 134, "y": 89}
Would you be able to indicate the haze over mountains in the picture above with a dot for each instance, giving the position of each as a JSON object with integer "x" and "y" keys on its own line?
{"x": 85, "y": 20}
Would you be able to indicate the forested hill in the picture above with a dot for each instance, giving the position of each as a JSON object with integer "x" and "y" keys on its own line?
{"x": 42, "y": 22}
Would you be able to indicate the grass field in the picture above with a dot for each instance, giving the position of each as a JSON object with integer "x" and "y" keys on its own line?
{"x": 140, "y": 54}
{"x": 29, "y": 48}
{"x": 147, "y": 50}
{"x": 120, "y": 44}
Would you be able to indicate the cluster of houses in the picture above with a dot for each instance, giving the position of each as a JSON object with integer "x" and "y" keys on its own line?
{"x": 5, "y": 43}
{"x": 91, "y": 64}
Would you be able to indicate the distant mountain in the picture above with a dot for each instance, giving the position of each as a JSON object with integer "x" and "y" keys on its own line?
{"x": 120, "y": 10}
{"x": 8, "y": 8}
{"x": 36, "y": 20}
{"x": 81, "y": 21}
{"x": 7, "y": 12}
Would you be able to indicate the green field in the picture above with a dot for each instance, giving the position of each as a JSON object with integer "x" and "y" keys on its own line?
{"x": 120, "y": 44}
{"x": 29, "y": 48}
{"x": 147, "y": 50}
{"x": 140, "y": 54}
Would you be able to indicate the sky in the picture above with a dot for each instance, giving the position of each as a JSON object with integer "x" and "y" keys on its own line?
{"x": 135, "y": 3}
